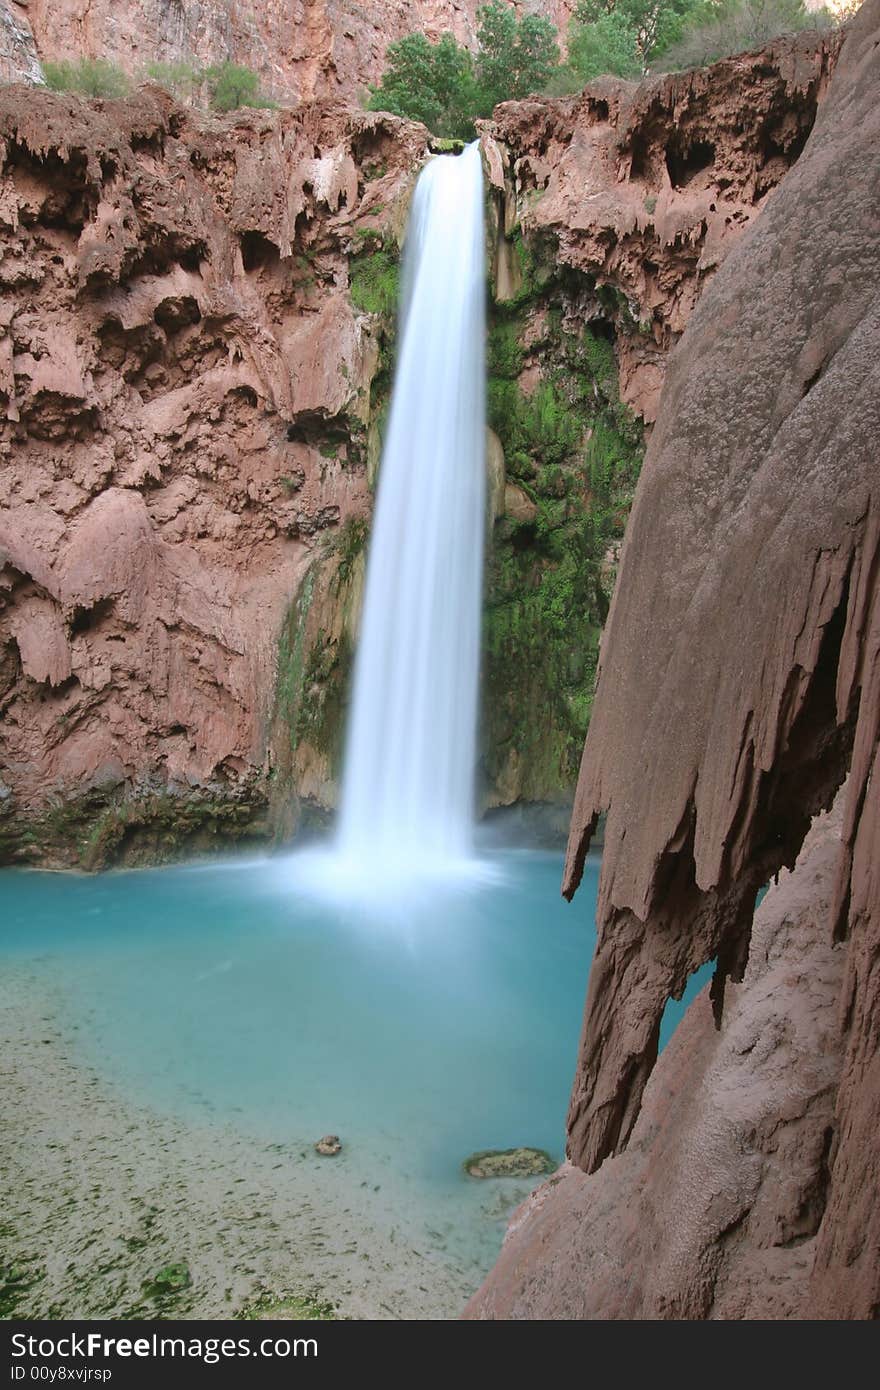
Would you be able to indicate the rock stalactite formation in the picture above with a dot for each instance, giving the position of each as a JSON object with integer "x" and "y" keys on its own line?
{"x": 713, "y": 1208}
{"x": 738, "y": 685}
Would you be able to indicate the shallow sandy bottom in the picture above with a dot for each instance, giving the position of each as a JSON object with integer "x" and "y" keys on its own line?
{"x": 98, "y": 1195}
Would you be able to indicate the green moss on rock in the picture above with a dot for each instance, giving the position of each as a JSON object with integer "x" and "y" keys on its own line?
{"x": 170, "y": 1280}
{"x": 133, "y": 825}
{"x": 575, "y": 451}
{"x": 509, "y": 1163}
{"x": 375, "y": 280}
{"x": 293, "y": 1307}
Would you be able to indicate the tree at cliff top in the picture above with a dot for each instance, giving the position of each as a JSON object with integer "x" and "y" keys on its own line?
{"x": 231, "y": 86}
{"x": 515, "y": 57}
{"x": 736, "y": 26}
{"x": 442, "y": 85}
{"x": 621, "y": 36}
{"x": 625, "y": 38}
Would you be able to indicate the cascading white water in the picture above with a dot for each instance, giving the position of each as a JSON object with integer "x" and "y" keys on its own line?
{"x": 408, "y": 788}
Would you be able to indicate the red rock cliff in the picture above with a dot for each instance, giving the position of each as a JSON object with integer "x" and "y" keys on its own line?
{"x": 186, "y": 390}
{"x": 192, "y": 404}
{"x": 739, "y": 682}
{"x": 642, "y": 189}
{"x": 301, "y": 48}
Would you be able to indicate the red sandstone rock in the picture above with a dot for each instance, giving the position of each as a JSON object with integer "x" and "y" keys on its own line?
{"x": 713, "y": 1208}
{"x": 739, "y": 669}
{"x": 302, "y": 49}
{"x": 176, "y": 343}
{"x": 646, "y": 188}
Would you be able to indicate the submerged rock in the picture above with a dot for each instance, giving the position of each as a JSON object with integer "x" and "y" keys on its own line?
{"x": 509, "y": 1163}
{"x": 329, "y": 1146}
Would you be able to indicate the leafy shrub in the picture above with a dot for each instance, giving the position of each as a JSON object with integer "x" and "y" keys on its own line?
{"x": 607, "y": 44}
{"x": 441, "y": 85}
{"x": 231, "y": 87}
{"x": 182, "y": 79}
{"x": 736, "y": 26}
{"x": 93, "y": 77}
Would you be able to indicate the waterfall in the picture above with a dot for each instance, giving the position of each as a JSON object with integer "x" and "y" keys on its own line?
{"x": 408, "y": 786}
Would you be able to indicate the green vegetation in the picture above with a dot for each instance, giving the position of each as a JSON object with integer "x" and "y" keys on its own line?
{"x": 574, "y": 451}
{"x": 515, "y": 57}
{"x": 295, "y": 1307}
{"x": 19, "y": 1274}
{"x": 231, "y": 86}
{"x": 736, "y": 26}
{"x": 170, "y": 1280}
{"x": 509, "y": 1163}
{"x": 347, "y": 545}
{"x": 314, "y": 665}
{"x": 375, "y": 279}
{"x": 228, "y": 85}
{"x": 93, "y": 77}
{"x": 629, "y": 37}
{"x": 182, "y": 79}
{"x": 448, "y": 88}
{"x": 106, "y": 825}
{"x": 445, "y": 86}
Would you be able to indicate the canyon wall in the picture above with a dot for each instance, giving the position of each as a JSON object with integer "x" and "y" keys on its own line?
{"x": 612, "y": 211}
{"x": 195, "y": 362}
{"x": 712, "y": 1209}
{"x": 186, "y": 384}
{"x": 734, "y": 697}
{"x": 302, "y": 49}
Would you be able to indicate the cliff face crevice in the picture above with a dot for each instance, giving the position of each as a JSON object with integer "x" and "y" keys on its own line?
{"x": 738, "y": 683}
{"x": 186, "y": 384}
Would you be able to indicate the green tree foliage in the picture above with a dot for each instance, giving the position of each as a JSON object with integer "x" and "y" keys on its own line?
{"x": 629, "y": 37}
{"x": 607, "y": 44}
{"x": 515, "y": 57}
{"x": 93, "y": 77}
{"x": 231, "y": 86}
{"x": 429, "y": 82}
{"x": 736, "y": 26}
{"x": 627, "y": 34}
{"x": 443, "y": 86}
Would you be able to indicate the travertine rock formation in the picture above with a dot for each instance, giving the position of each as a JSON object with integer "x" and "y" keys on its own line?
{"x": 740, "y": 679}
{"x": 712, "y": 1209}
{"x": 302, "y": 49}
{"x": 186, "y": 386}
{"x": 644, "y": 188}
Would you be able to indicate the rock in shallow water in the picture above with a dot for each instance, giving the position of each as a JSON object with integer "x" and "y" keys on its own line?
{"x": 508, "y": 1163}
{"x": 329, "y": 1146}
